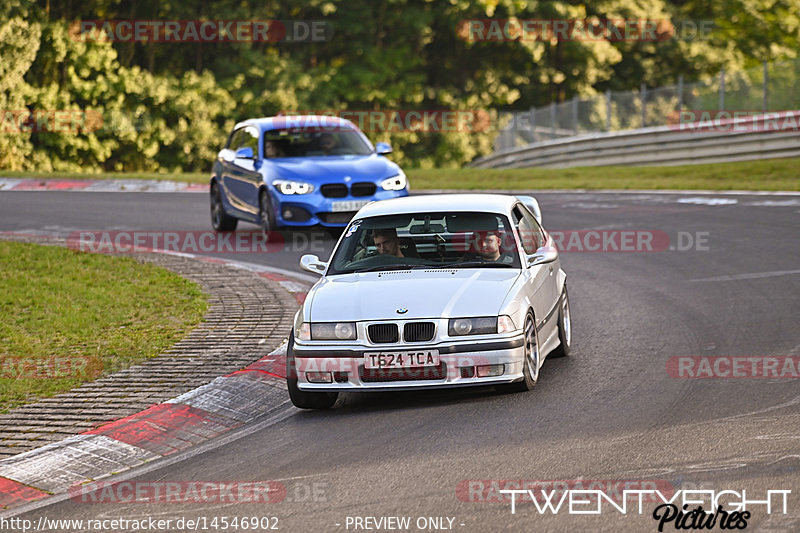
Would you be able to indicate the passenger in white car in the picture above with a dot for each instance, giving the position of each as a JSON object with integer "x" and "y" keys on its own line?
{"x": 489, "y": 246}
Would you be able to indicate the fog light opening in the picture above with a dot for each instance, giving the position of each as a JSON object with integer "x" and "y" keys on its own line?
{"x": 488, "y": 371}
{"x": 318, "y": 377}
{"x": 467, "y": 371}
{"x": 287, "y": 214}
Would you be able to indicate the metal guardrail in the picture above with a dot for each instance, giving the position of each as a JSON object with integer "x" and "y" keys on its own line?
{"x": 767, "y": 136}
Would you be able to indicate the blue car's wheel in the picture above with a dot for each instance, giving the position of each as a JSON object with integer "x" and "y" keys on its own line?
{"x": 266, "y": 213}
{"x": 220, "y": 220}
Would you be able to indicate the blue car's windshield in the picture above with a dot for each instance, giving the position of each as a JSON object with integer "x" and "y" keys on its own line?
{"x": 315, "y": 141}
{"x": 427, "y": 240}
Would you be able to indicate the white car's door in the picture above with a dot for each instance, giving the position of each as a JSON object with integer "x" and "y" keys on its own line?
{"x": 540, "y": 280}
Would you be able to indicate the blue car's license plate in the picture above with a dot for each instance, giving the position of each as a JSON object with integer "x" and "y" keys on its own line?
{"x": 348, "y": 205}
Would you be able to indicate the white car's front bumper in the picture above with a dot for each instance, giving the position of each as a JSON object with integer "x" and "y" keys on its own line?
{"x": 457, "y": 366}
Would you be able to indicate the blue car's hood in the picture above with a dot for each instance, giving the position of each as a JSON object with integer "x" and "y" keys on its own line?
{"x": 334, "y": 168}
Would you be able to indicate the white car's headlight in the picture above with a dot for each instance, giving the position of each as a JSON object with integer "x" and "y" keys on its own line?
{"x": 292, "y": 187}
{"x": 481, "y": 325}
{"x": 333, "y": 331}
{"x": 395, "y": 183}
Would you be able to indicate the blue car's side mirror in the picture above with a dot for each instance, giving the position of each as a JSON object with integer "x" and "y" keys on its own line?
{"x": 383, "y": 148}
{"x": 244, "y": 153}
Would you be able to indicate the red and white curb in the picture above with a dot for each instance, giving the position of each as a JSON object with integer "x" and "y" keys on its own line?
{"x": 197, "y": 416}
{"x": 32, "y": 184}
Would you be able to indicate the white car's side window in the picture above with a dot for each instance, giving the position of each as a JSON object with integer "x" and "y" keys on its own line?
{"x": 529, "y": 231}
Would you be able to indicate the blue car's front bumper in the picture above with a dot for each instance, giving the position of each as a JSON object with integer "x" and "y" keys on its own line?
{"x": 312, "y": 209}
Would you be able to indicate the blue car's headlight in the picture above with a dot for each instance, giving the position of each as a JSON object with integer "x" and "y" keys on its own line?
{"x": 395, "y": 183}
{"x": 292, "y": 187}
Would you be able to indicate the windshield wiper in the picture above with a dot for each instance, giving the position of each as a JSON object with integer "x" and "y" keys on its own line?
{"x": 470, "y": 264}
{"x": 384, "y": 267}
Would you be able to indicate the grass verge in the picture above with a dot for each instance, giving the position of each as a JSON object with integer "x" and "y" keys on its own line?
{"x": 766, "y": 175}
{"x": 188, "y": 177}
{"x": 69, "y": 317}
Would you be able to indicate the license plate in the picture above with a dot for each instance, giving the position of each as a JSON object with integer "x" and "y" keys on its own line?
{"x": 348, "y": 205}
{"x": 412, "y": 359}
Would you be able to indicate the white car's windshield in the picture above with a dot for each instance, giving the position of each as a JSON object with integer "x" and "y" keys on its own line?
{"x": 427, "y": 240}
{"x": 308, "y": 142}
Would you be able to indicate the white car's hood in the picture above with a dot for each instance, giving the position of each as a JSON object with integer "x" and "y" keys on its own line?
{"x": 426, "y": 294}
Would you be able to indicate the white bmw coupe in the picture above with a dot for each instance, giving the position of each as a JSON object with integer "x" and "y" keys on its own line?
{"x": 431, "y": 291}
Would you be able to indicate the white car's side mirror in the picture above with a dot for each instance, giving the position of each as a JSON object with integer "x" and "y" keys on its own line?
{"x": 544, "y": 255}
{"x": 227, "y": 155}
{"x": 312, "y": 263}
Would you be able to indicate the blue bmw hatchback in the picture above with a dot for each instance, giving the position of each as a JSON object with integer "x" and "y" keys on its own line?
{"x": 299, "y": 171}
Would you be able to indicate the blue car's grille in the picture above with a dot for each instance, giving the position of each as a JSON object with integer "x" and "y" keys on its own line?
{"x": 363, "y": 188}
{"x": 334, "y": 190}
{"x": 339, "y": 190}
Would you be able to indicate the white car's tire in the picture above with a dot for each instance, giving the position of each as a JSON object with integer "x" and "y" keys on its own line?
{"x": 304, "y": 399}
{"x": 564, "y": 326}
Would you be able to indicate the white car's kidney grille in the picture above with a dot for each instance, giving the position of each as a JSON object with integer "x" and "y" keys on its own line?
{"x": 428, "y": 373}
{"x": 418, "y": 331}
{"x": 383, "y": 333}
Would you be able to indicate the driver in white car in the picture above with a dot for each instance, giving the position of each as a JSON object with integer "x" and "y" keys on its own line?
{"x": 387, "y": 242}
{"x": 489, "y": 245}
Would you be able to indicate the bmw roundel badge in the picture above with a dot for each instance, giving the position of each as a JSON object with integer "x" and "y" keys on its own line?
{"x": 402, "y": 310}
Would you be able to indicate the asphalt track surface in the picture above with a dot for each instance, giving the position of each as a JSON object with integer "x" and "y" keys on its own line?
{"x": 610, "y": 411}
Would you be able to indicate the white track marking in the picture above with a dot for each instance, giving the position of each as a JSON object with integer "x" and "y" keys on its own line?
{"x": 752, "y": 275}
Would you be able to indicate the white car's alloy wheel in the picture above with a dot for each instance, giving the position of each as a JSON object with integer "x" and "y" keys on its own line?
{"x": 564, "y": 327}
{"x": 531, "y": 349}
{"x": 530, "y": 366}
{"x": 567, "y": 320}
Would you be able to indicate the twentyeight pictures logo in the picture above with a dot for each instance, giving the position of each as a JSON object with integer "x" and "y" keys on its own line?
{"x": 681, "y": 508}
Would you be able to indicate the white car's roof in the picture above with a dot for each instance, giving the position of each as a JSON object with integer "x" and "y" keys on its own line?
{"x": 488, "y": 203}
